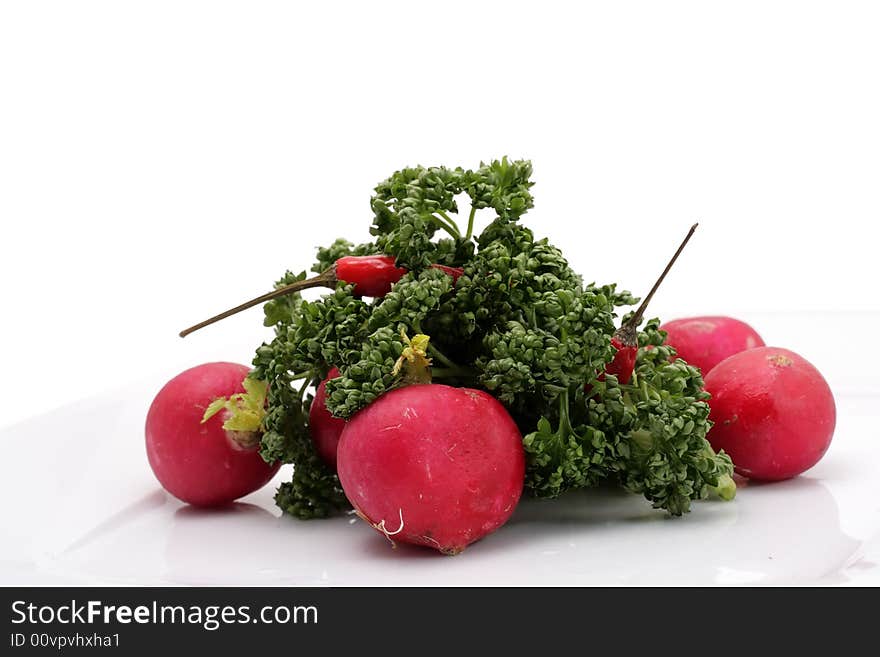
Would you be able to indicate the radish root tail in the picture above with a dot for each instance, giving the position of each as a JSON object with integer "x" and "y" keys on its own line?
{"x": 380, "y": 526}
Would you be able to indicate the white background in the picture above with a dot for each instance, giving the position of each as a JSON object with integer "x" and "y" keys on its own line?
{"x": 160, "y": 161}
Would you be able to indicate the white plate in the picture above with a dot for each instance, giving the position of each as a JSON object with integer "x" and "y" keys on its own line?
{"x": 81, "y": 506}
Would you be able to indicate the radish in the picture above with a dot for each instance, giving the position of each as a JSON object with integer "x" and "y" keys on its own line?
{"x": 705, "y": 341}
{"x": 325, "y": 428}
{"x": 193, "y": 455}
{"x": 431, "y": 464}
{"x": 773, "y": 411}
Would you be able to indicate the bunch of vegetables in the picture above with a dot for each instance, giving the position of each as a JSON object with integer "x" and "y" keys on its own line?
{"x": 452, "y": 372}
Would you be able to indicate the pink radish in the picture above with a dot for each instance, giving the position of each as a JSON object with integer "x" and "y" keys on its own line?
{"x": 433, "y": 465}
{"x": 201, "y": 462}
{"x": 325, "y": 428}
{"x": 705, "y": 341}
{"x": 773, "y": 411}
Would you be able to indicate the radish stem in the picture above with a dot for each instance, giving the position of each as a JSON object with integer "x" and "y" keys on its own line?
{"x": 325, "y": 279}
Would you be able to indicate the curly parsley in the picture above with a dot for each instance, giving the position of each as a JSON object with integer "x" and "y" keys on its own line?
{"x": 518, "y": 322}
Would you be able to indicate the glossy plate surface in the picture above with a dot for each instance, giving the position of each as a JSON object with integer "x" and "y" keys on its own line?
{"x": 81, "y": 506}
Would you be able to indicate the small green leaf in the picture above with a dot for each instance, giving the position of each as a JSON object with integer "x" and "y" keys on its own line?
{"x": 213, "y": 408}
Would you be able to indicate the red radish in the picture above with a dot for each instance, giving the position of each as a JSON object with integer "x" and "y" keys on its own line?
{"x": 773, "y": 411}
{"x": 706, "y": 341}
{"x": 325, "y": 428}
{"x": 372, "y": 276}
{"x": 626, "y": 339}
{"x": 201, "y": 462}
{"x": 433, "y": 465}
